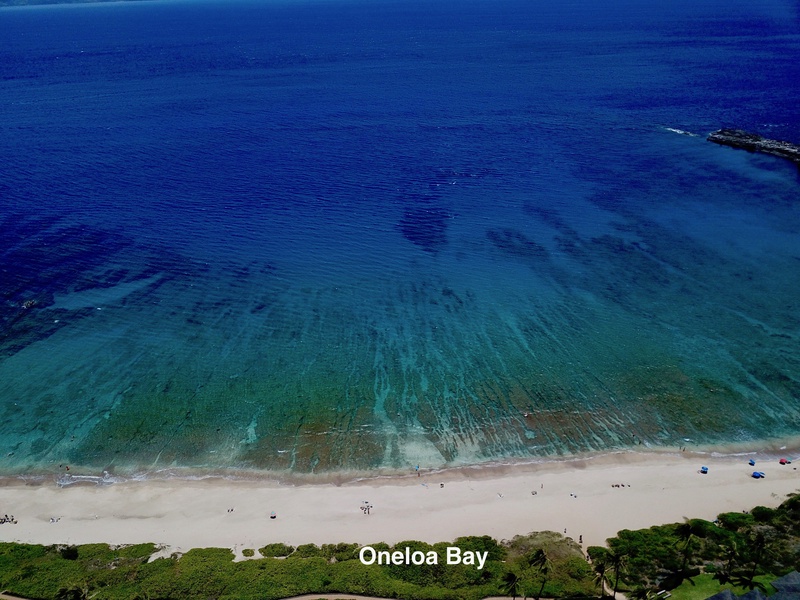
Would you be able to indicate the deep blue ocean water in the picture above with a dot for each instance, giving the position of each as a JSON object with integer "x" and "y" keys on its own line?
{"x": 336, "y": 234}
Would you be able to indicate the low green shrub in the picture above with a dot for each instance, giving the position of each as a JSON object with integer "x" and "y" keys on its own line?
{"x": 277, "y": 549}
{"x": 307, "y": 551}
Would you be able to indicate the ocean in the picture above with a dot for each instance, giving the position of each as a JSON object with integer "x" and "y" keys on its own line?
{"x": 323, "y": 236}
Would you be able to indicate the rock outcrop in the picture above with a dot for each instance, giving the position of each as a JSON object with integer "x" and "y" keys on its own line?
{"x": 755, "y": 143}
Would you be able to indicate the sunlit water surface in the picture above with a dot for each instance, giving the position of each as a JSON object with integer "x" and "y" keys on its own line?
{"x": 325, "y": 236}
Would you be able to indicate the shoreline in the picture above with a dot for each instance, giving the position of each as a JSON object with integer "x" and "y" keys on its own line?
{"x": 78, "y": 475}
{"x": 590, "y": 498}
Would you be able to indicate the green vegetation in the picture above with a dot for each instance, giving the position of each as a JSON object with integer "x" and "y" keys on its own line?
{"x": 273, "y": 550}
{"x": 741, "y": 551}
{"x": 703, "y": 586}
{"x": 547, "y": 565}
{"x": 694, "y": 560}
{"x": 101, "y": 572}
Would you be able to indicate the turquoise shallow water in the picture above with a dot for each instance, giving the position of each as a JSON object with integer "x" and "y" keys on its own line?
{"x": 342, "y": 236}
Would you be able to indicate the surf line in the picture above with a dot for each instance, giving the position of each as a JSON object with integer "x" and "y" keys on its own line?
{"x": 453, "y": 556}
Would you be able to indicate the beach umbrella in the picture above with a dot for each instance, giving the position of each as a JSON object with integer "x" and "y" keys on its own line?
{"x": 704, "y": 470}
{"x": 756, "y": 475}
{"x": 752, "y": 463}
{"x": 783, "y": 461}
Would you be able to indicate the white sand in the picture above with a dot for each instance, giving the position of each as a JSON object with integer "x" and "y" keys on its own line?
{"x": 577, "y": 496}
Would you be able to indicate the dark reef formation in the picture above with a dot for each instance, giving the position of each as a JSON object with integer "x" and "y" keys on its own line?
{"x": 752, "y": 142}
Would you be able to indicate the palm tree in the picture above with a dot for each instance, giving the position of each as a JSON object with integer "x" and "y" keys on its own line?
{"x": 722, "y": 575}
{"x": 687, "y": 532}
{"x": 600, "y": 568}
{"x": 730, "y": 552}
{"x": 759, "y": 540}
{"x": 617, "y": 562}
{"x": 601, "y": 574}
{"x": 540, "y": 560}
{"x": 511, "y": 584}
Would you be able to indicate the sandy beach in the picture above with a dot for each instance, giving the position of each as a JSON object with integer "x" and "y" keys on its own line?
{"x": 592, "y": 498}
